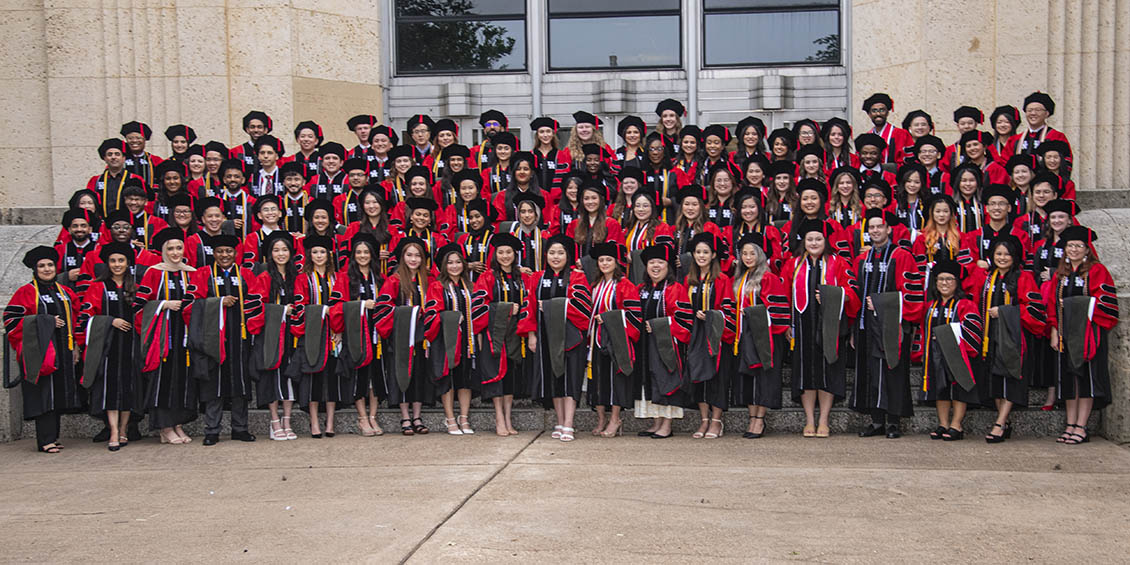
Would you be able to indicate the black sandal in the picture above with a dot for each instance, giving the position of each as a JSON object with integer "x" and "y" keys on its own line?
{"x": 407, "y": 430}
{"x": 953, "y": 434}
{"x": 990, "y": 438}
{"x": 419, "y": 428}
{"x": 49, "y": 448}
{"x": 1008, "y": 430}
{"x": 1077, "y": 439}
{"x": 752, "y": 435}
{"x": 938, "y": 432}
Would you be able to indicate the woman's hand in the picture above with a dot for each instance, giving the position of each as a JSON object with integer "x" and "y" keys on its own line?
{"x": 526, "y": 271}
{"x": 818, "y": 296}
{"x": 229, "y": 301}
{"x": 983, "y": 264}
{"x": 647, "y": 326}
{"x": 383, "y": 255}
{"x": 532, "y": 342}
{"x": 513, "y": 310}
{"x": 993, "y": 312}
{"x": 478, "y": 266}
{"x": 59, "y": 322}
{"x": 369, "y": 304}
{"x": 121, "y": 324}
{"x": 1055, "y": 343}
{"x": 701, "y": 314}
{"x": 174, "y": 305}
{"x": 789, "y": 334}
{"x": 599, "y": 320}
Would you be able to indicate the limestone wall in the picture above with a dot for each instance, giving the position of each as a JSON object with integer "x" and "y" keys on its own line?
{"x": 72, "y": 72}
{"x": 939, "y": 54}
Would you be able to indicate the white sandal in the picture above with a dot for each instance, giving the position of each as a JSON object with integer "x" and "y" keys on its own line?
{"x": 556, "y": 432}
{"x": 567, "y": 434}
{"x": 277, "y": 435}
{"x": 289, "y": 432}
{"x": 452, "y": 427}
{"x": 465, "y": 427}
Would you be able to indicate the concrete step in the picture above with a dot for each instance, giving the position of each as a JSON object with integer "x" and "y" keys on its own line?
{"x": 1027, "y": 422}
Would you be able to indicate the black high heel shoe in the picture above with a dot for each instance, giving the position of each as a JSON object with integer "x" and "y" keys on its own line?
{"x": 990, "y": 438}
{"x": 954, "y": 434}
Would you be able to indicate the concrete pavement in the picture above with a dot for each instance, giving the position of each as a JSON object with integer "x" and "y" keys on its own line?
{"x": 482, "y": 498}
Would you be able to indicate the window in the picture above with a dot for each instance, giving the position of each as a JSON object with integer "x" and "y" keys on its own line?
{"x": 456, "y": 36}
{"x": 589, "y": 34}
{"x": 771, "y": 32}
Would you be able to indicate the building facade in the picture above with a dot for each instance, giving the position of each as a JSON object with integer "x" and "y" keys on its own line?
{"x": 72, "y": 73}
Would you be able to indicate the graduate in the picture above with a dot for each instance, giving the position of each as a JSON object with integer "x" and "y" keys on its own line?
{"x": 855, "y": 239}
{"x": 919, "y": 124}
{"x": 1041, "y": 189}
{"x": 1046, "y": 255}
{"x": 362, "y": 125}
{"x": 550, "y": 168}
{"x": 974, "y": 145}
{"x": 845, "y": 206}
{"x": 928, "y": 152}
{"x": 321, "y": 385}
{"x": 586, "y": 131}
{"x": 761, "y": 318}
{"x": 715, "y": 138}
{"x": 456, "y": 162}
{"x": 293, "y": 200}
{"x": 331, "y": 180}
{"x": 807, "y": 132}
{"x": 506, "y": 321}
{"x": 420, "y": 128}
{"x": 613, "y": 329}
{"x": 454, "y": 355}
{"x": 751, "y": 218}
{"x": 40, "y": 322}
{"x": 631, "y": 179}
{"x": 347, "y": 205}
{"x": 268, "y": 212}
{"x": 421, "y": 223}
{"x": 360, "y": 347}
{"x": 967, "y": 118}
{"x": 671, "y": 113}
{"x": 940, "y": 237}
{"x": 121, "y": 230}
{"x": 208, "y": 183}
{"x": 948, "y": 344}
{"x": 750, "y": 136}
{"x": 198, "y": 246}
{"x": 710, "y": 298}
{"x": 237, "y": 203}
{"x": 644, "y": 229}
{"x": 1082, "y": 308}
{"x": 522, "y": 181}
{"x": 180, "y": 138}
{"x": 686, "y": 162}
{"x": 493, "y": 122}
{"x": 1012, "y": 308}
{"x": 256, "y": 124}
{"x": 967, "y": 182}
{"x": 468, "y": 188}
{"x": 444, "y": 136}
{"x": 593, "y": 225}
{"x": 755, "y": 174}
{"x": 163, "y": 307}
{"x": 878, "y": 107}
{"x": 559, "y": 215}
{"x": 420, "y": 187}
{"x": 407, "y": 319}
{"x": 562, "y": 305}
{"x": 689, "y": 222}
{"x": 110, "y": 183}
{"x": 872, "y": 149}
{"x": 781, "y": 194}
{"x": 197, "y": 167}
{"x": 72, "y": 253}
{"x": 1004, "y": 121}
{"x": 308, "y": 135}
{"x": 496, "y": 174}
{"x": 910, "y": 197}
{"x": 475, "y": 237}
{"x": 105, "y": 320}
{"x": 811, "y": 203}
{"x": 836, "y": 134}
{"x": 891, "y": 293}
{"x": 138, "y": 161}
{"x": 274, "y": 347}
{"x": 382, "y": 141}
{"x": 810, "y": 158}
{"x": 170, "y": 182}
{"x": 1053, "y": 156}
{"x": 224, "y": 374}
{"x": 632, "y": 130}
{"x": 660, "y": 178}
{"x": 662, "y": 389}
{"x": 997, "y": 199}
{"x": 266, "y": 178}
{"x": 722, "y": 184}
{"x": 320, "y": 222}
{"x": 824, "y": 300}
{"x": 528, "y": 230}
{"x": 594, "y": 167}
{"x": 1037, "y": 108}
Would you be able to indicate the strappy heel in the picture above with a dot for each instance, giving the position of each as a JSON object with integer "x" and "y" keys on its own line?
{"x": 753, "y": 435}
{"x": 289, "y": 433}
{"x": 721, "y": 430}
{"x": 990, "y": 438}
{"x": 556, "y": 432}
{"x": 702, "y": 434}
{"x": 566, "y": 434}
{"x": 1077, "y": 439}
{"x": 465, "y": 425}
{"x": 452, "y": 427}
{"x": 407, "y": 430}
{"x": 279, "y": 434}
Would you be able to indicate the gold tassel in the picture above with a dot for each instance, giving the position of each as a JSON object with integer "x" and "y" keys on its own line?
{"x": 588, "y": 371}
{"x": 379, "y": 348}
{"x": 187, "y": 359}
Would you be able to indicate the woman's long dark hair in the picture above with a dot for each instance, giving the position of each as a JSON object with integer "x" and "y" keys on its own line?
{"x": 128, "y": 288}
{"x": 279, "y": 281}
{"x": 354, "y": 271}
{"x": 381, "y": 231}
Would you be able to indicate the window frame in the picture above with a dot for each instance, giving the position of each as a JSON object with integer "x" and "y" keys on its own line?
{"x": 394, "y": 44}
{"x": 814, "y": 7}
{"x": 609, "y": 14}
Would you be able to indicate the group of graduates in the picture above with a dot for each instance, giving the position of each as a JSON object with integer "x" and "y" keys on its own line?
{"x": 684, "y": 269}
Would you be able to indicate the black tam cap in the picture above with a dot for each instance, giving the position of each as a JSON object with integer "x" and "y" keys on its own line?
{"x": 39, "y": 253}
{"x": 312, "y": 126}
{"x": 670, "y": 104}
{"x": 878, "y": 98}
{"x": 258, "y": 115}
{"x": 182, "y": 130}
{"x": 136, "y": 127}
{"x": 1040, "y": 98}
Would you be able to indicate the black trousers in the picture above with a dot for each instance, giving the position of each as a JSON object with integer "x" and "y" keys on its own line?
{"x": 47, "y": 428}
{"x": 214, "y": 413}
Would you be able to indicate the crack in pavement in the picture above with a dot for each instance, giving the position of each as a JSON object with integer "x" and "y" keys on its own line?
{"x": 467, "y": 499}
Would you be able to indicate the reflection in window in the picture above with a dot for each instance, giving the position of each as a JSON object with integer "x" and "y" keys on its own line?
{"x": 587, "y": 34}
{"x": 765, "y": 32}
{"x": 460, "y": 36}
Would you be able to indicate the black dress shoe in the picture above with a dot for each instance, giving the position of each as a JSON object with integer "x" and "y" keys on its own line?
{"x": 871, "y": 431}
{"x": 102, "y": 436}
{"x": 211, "y": 439}
{"x": 893, "y": 432}
{"x": 644, "y": 433}
{"x": 242, "y": 436}
{"x": 657, "y": 436}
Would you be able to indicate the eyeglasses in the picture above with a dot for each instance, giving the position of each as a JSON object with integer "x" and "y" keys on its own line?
{"x": 1075, "y": 245}
{"x": 947, "y": 279}
{"x": 656, "y": 149}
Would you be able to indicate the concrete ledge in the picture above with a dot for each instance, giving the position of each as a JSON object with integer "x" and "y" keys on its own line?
{"x": 32, "y": 216}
